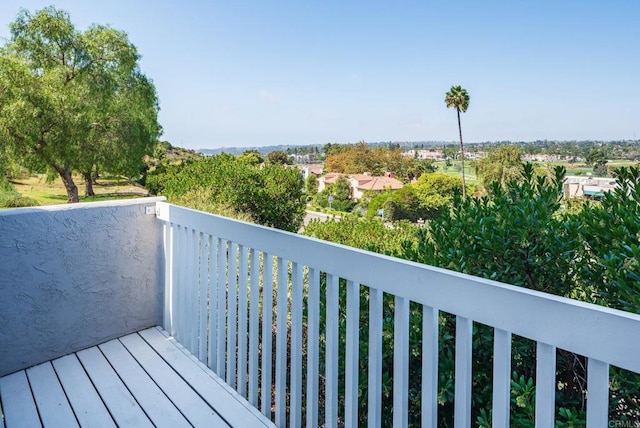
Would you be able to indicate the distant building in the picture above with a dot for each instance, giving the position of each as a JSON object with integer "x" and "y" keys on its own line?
{"x": 360, "y": 183}
{"x": 307, "y": 170}
{"x": 576, "y": 186}
{"x": 424, "y": 154}
{"x": 328, "y": 178}
{"x": 300, "y": 159}
{"x": 540, "y": 158}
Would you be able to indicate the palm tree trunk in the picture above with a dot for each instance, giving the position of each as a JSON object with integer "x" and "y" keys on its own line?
{"x": 464, "y": 190}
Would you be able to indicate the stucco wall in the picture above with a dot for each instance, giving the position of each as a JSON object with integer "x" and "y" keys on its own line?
{"x": 72, "y": 276}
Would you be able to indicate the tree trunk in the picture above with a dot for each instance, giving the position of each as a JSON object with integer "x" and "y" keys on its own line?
{"x": 88, "y": 184}
{"x": 95, "y": 176}
{"x": 72, "y": 189}
{"x": 464, "y": 190}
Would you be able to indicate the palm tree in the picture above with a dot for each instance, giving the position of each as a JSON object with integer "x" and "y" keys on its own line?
{"x": 459, "y": 98}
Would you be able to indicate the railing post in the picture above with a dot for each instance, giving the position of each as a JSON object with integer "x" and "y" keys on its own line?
{"x": 203, "y": 300}
{"x": 353, "y": 344}
{"x": 331, "y": 352}
{"x": 168, "y": 276}
{"x": 213, "y": 303}
{"x": 222, "y": 308}
{"x": 295, "y": 389}
{"x": 545, "y": 385}
{"x": 462, "y": 400}
{"x": 375, "y": 358}
{"x": 597, "y": 393}
{"x": 401, "y": 362}
{"x": 429, "y": 367}
{"x": 501, "y": 378}
{"x": 312, "y": 347}
{"x": 232, "y": 318}
{"x": 178, "y": 284}
{"x": 242, "y": 322}
{"x": 267, "y": 333}
{"x": 254, "y": 326}
{"x": 281, "y": 343}
{"x": 192, "y": 293}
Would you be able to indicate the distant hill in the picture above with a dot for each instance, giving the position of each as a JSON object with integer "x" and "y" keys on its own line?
{"x": 288, "y": 148}
{"x": 616, "y": 149}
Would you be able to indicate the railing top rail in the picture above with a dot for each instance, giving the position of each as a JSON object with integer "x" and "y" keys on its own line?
{"x": 590, "y": 330}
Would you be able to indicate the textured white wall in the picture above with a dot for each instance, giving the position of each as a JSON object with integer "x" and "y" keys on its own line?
{"x": 72, "y": 276}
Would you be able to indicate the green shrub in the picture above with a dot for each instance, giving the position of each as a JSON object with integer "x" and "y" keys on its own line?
{"x": 16, "y": 200}
{"x": 518, "y": 234}
{"x": 10, "y": 198}
{"x": 271, "y": 196}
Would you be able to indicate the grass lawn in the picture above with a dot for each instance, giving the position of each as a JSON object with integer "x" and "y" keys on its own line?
{"x": 455, "y": 170}
{"x": 583, "y": 169}
{"x": 108, "y": 188}
{"x": 619, "y": 163}
{"x": 572, "y": 168}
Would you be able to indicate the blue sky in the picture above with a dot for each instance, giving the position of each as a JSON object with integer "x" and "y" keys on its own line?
{"x": 255, "y": 73}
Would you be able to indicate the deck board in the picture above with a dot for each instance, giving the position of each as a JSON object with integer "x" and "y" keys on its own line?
{"x": 143, "y": 379}
{"x": 218, "y": 394}
{"x": 123, "y": 407}
{"x": 151, "y": 398}
{"x": 17, "y": 401}
{"x": 179, "y": 392}
{"x": 50, "y": 398}
{"x": 83, "y": 397}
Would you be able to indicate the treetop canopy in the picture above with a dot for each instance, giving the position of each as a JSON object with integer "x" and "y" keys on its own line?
{"x": 71, "y": 101}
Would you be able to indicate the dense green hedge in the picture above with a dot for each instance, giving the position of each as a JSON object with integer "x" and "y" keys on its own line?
{"x": 271, "y": 195}
{"x": 519, "y": 235}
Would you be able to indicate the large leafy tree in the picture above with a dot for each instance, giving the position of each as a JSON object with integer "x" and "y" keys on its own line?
{"x": 340, "y": 195}
{"x": 311, "y": 186}
{"x": 74, "y": 101}
{"x": 502, "y": 165}
{"x": 361, "y": 158}
{"x": 278, "y": 157}
{"x": 252, "y": 156}
{"x": 598, "y": 158}
{"x": 427, "y": 198}
{"x": 419, "y": 167}
{"x": 436, "y": 191}
{"x": 458, "y": 98}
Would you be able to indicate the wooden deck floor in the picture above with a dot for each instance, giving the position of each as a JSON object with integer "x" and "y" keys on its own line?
{"x": 144, "y": 379}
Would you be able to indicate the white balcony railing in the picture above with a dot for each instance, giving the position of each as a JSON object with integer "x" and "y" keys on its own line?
{"x": 287, "y": 321}
{"x": 228, "y": 283}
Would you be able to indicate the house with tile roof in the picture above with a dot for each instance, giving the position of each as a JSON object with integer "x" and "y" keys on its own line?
{"x": 311, "y": 169}
{"x": 360, "y": 183}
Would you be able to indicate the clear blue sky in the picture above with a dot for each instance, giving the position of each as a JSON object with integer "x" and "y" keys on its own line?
{"x": 255, "y": 73}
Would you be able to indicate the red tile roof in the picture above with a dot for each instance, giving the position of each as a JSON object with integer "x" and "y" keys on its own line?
{"x": 380, "y": 183}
